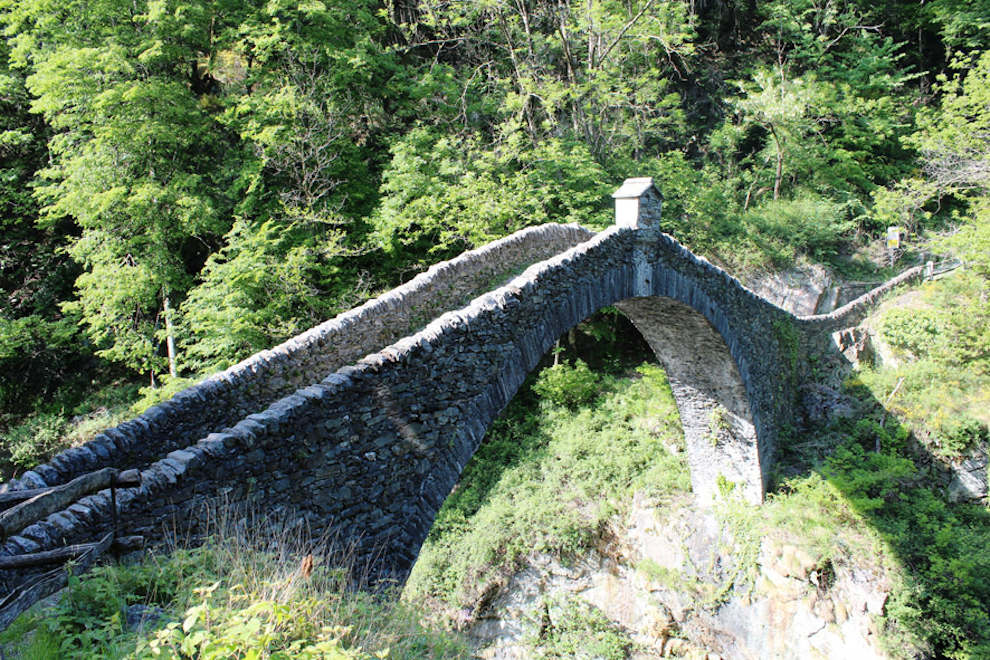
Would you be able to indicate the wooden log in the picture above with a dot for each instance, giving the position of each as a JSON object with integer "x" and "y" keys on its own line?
{"x": 125, "y": 479}
{"x": 8, "y": 500}
{"x": 60, "y": 497}
{"x": 121, "y": 544}
{"x": 23, "y": 597}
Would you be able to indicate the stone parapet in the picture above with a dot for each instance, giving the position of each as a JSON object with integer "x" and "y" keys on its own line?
{"x": 251, "y": 385}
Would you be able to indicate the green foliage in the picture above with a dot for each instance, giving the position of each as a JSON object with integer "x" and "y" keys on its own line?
{"x": 33, "y": 441}
{"x": 942, "y": 339}
{"x": 257, "y": 291}
{"x": 962, "y": 24}
{"x": 828, "y": 103}
{"x": 445, "y": 194}
{"x": 807, "y": 225}
{"x": 599, "y": 73}
{"x": 575, "y": 629}
{"x": 64, "y": 423}
{"x": 955, "y": 152}
{"x": 962, "y": 434}
{"x": 164, "y": 390}
{"x": 132, "y": 165}
{"x": 211, "y": 631}
{"x": 867, "y": 479}
{"x": 932, "y": 398}
{"x": 546, "y": 481}
{"x": 940, "y": 576}
{"x": 249, "y": 165}
{"x": 913, "y": 330}
{"x": 864, "y": 505}
{"x": 566, "y": 385}
{"x": 231, "y": 598}
{"x": 34, "y": 355}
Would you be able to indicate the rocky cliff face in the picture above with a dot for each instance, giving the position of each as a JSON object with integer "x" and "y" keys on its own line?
{"x": 807, "y": 289}
{"x": 677, "y": 582}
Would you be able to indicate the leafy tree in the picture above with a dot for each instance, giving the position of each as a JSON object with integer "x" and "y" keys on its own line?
{"x": 963, "y": 23}
{"x": 830, "y": 103}
{"x": 38, "y": 344}
{"x": 134, "y": 162}
{"x": 444, "y": 195}
{"x": 781, "y": 106}
{"x": 595, "y": 71}
{"x": 305, "y": 91}
{"x": 258, "y": 290}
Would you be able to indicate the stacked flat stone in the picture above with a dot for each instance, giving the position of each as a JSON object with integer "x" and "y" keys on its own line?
{"x": 368, "y": 448}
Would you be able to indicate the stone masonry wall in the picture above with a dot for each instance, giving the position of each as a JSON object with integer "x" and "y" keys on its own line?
{"x": 251, "y": 385}
{"x": 372, "y": 450}
{"x": 822, "y": 325}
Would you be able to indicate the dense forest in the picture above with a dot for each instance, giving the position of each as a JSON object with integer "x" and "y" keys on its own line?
{"x": 185, "y": 182}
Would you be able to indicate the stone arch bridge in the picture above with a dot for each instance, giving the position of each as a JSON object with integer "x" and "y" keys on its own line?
{"x": 363, "y": 424}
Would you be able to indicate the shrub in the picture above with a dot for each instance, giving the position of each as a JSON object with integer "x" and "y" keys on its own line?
{"x": 566, "y": 385}
{"x": 960, "y": 434}
{"x": 911, "y": 330}
{"x": 36, "y": 439}
{"x": 576, "y": 629}
{"x": 807, "y": 224}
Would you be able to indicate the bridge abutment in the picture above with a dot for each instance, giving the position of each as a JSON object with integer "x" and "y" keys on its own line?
{"x": 712, "y": 401}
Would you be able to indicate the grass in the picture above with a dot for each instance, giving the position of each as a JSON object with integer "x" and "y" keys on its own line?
{"x": 65, "y": 423}
{"x": 256, "y": 589}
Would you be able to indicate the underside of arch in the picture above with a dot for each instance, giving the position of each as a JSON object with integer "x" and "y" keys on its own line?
{"x": 714, "y": 407}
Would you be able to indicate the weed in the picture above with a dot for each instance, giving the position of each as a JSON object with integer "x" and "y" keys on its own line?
{"x": 572, "y": 628}
{"x": 567, "y": 385}
{"x": 719, "y": 424}
{"x": 37, "y": 437}
{"x": 255, "y": 589}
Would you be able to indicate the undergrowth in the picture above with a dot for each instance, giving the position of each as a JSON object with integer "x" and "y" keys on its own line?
{"x": 571, "y": 628}
{"x": 940, "y": 384}
{"x": 253, "y": 591}
{"x": 551, "y": 472}
{"x": 65, "y": 422}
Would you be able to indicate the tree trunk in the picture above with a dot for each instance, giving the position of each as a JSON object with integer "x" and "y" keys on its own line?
{"x": 169, "y": 334}
{"x": 780, "y": 164}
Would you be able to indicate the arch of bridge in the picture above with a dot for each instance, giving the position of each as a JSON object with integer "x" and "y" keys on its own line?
{"x": 373, "y": 449}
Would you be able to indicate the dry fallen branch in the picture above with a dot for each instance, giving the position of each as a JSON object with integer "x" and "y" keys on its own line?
{"x": 21, "y": 598}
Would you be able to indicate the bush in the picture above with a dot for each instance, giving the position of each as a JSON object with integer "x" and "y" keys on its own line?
{"x": 566, "y": 385}
{"x": 807, "y": 224}
{"x": 36, "y": 439}
{"x": 575, "y": 629}
{"x": 67, "y": 422}
{"x": 911, "y": 330}
{"x": 958, "y": 435}
{"x": 152, "y": 396}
